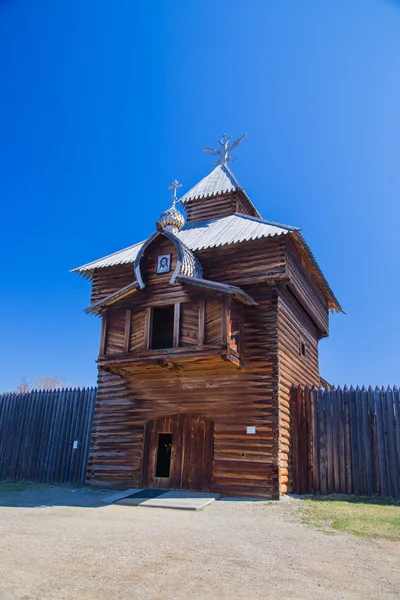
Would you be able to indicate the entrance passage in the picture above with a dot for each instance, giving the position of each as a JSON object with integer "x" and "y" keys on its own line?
{"x": 164, "y": 454}
{"x": 178, "y": 453}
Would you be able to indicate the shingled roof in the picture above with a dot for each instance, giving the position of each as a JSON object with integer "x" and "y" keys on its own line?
{"x": 220, "y": 181}
{"x": 199, "y": 235}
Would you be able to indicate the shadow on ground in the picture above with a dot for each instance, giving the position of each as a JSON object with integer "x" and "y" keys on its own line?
{"x": 36, "y": 495}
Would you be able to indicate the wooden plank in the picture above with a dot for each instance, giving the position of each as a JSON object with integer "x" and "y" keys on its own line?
{"x": 386, "y": 438}
{"x": 368, "y": 443}
{"x": 360, "y": 442}
{"x": 103, "y": 336}
{"x": 304, "y": 445}
{"x": 394, "y": 465}
{"x": 347, "y": 431}
{"x": 335, "y": 440}
{"x": 396, "y": 404}
{"x": 128, "y": 322}
{"x": 43, "y": 434}
{"x": 177, "y": 320}
{"x": 202, "y": 321}
{"x": 354, "y": 441}
{"x": 224, "y": 320}
{"x": 323, "y": 486}
{"x": 310, "y": 441}
{"x": 147, "y": 328}
{"x": 329, "y": 442}
{"x": 383, "y": 489}
{"x": 374, "y": 441}
{"x": 315, "y": 448}
{"x": 341, "y": 442}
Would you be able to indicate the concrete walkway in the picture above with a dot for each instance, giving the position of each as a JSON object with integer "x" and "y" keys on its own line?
{"x": 163, "y": 499}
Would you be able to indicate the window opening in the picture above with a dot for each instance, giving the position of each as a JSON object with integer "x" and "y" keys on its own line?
{"x": 303, "y": 348}
{"x": 163, "y": 465}
{"x": 163, "y": 328}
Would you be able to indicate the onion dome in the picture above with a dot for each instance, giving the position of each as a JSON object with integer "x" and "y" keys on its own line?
{"x": 171, "y": 219}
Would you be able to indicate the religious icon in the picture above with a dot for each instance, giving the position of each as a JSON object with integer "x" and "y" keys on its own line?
{"x": 164, "y": 263}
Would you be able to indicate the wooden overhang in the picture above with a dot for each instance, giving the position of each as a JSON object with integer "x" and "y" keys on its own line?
{"x": 230, "y": 290}
{"x": 95, "y": 309}
{"x": 173, "y": 359}
{"x": 310, "y": 263}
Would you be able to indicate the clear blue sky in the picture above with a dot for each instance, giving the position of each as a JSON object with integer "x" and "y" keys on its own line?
{"x": 103, "y": 103}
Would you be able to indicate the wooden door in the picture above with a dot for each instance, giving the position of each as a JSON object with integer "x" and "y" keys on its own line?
{"x": 178, "y": 452}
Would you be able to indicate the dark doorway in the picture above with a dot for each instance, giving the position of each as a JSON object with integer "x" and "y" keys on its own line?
{"x": 163, "y": 328}
{"x": 181, "y": 459}
{"x": 164, "y": 454}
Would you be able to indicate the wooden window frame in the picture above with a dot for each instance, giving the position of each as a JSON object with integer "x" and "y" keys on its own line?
{"x": 148, "y": 325}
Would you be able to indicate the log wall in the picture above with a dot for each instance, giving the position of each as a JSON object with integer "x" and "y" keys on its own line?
{"x": 232, "y": 398}
{"x": 217, "y": 207}
{"x": 308, "y": 294}
{"x": 294, "y": 329}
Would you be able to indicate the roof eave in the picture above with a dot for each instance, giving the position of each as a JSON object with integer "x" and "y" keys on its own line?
{"x": 333, "y": 303}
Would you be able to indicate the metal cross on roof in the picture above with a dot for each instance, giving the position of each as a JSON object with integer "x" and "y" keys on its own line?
{"x": 224, "y": 149}
{"x": 174, "y": 186}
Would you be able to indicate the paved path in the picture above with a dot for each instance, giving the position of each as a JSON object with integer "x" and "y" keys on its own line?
{"x": 178, "y": 500}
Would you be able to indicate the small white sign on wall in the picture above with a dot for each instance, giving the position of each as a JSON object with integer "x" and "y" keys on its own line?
{"x": 250, "y": 429}
{"x": 75, "y": 445}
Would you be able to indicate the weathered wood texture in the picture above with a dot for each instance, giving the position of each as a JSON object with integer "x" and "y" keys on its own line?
{"x": 222, "y": 206}
{"x": 238, "y": 264}
{"x": 192, "y": 452}
{"x": 231, "y": 398}
{"x": 189, "y": 324}
{"x": 346, "y": 441}
{"x": 246, "y": 263}
{"x": 248, "y": 387}
{"x": 110, "y": 279}
{"x": 37, "y": 433}
{"x": 294, "y": 329}
{"x": 308, "y": 294}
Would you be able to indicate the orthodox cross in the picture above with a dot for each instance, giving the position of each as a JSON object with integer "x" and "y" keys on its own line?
{"x": 222, "y": 152}
{"x": 174, "y": 186}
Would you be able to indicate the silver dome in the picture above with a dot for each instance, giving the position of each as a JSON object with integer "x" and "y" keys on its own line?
{"x": 172, "y": 220}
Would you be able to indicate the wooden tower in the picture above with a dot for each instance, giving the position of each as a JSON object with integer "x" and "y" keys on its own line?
{"x": 205, "y": 327}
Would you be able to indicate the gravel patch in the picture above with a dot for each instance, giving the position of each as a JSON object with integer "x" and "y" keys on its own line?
{"x": 58, "y": 543}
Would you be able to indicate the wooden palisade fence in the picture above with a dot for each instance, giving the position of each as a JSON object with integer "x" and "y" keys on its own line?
{"x": 346, "y": 441}
{"x": 45, "y": 435}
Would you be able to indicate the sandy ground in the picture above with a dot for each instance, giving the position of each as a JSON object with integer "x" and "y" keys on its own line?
{"x": 60, "y": 544}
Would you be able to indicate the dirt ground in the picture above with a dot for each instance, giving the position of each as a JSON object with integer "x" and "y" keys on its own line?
{"x": 62, "y": 544}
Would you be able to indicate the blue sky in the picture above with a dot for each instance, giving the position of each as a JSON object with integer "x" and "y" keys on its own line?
{"x": 103, "y": 104}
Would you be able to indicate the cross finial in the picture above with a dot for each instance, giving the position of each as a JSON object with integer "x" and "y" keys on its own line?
{"x": 174, "y": 186}
{"x": 222, "y": 152}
